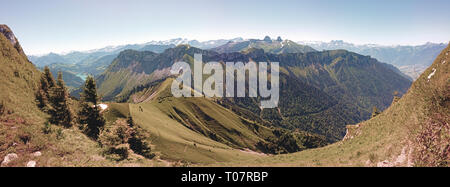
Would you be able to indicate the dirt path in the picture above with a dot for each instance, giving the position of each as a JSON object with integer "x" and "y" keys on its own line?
{"x": 253, "y": 152}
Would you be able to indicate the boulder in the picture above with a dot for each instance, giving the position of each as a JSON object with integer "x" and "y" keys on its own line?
{"x": 36, "y": 154}
{"x": 31, "y": 163}
{"x": 8, "y": 158}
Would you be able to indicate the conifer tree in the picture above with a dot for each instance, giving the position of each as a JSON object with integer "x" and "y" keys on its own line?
{"x": 49, "y": 76}
{"x": 89, "y": 114}
{"x": 61, "y": 114}
{"x": 43, "y": 94}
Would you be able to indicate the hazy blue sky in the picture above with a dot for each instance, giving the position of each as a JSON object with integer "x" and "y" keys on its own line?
{"x": 63, "y": 25}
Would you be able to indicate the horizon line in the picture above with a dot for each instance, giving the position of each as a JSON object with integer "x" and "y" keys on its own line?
{"x": 245, "y": 39}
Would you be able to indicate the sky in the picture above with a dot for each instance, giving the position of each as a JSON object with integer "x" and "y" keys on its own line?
{"x": 65, "y": 25}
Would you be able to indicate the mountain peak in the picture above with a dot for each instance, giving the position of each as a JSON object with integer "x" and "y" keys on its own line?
{"x": 279, "y": 39}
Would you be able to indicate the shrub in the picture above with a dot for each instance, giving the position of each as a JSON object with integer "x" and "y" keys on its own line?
{"x": 117, "y": 153}
{"x": 25, "y": 137}
{"x": 47, "y": 129}
{"x": 373, "y": 157}
{"x": 114, "y": 139}
{"x": 2, "y": 108}
{"x": 59, "y": 134}
{"x": 119, "y": 135}
{"x": 114, "y": 135}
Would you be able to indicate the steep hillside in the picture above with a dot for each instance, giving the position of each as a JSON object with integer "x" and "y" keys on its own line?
{"x": 356, "y": 78}
{"x": 268, "y": 45}
{"x": 412, "y": 132}
{"x": 19, "y": 77}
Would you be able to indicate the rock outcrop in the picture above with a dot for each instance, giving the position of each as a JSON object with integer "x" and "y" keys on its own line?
{"x": 6, "y": 31}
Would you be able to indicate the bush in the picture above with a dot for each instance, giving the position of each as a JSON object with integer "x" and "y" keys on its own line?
{"x": 59, "y": 134}
{"x": 47, "y": 129}
{"x": 117, "y": 153}
{"x": 114, "y": 135}
{"x": 114, "y": 139}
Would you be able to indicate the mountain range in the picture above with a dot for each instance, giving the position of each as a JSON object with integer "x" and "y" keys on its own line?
{"x": 318, "y": 88}
{"x": 88, "y": 56}
{"x": 411, "y": 60}
{"x": 267, "y": 44}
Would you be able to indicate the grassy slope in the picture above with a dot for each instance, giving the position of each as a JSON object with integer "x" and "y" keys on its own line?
{"x": 175, "y": 141}
{"x": 391, "y": 137}
{"x": 123, "y": 81}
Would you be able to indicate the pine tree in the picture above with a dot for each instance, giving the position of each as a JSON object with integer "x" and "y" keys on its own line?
{"x": 49, "y": 77}
{"x": 60, "y": 112}
{"x": 90, "y": 91}
{"x": 43, "y": 94}
{"x": 89, "y": 114}
{"x": 139, "y": 142}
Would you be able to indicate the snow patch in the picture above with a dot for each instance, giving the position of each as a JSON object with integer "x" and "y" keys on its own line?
{"x": 103, "y": 106}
